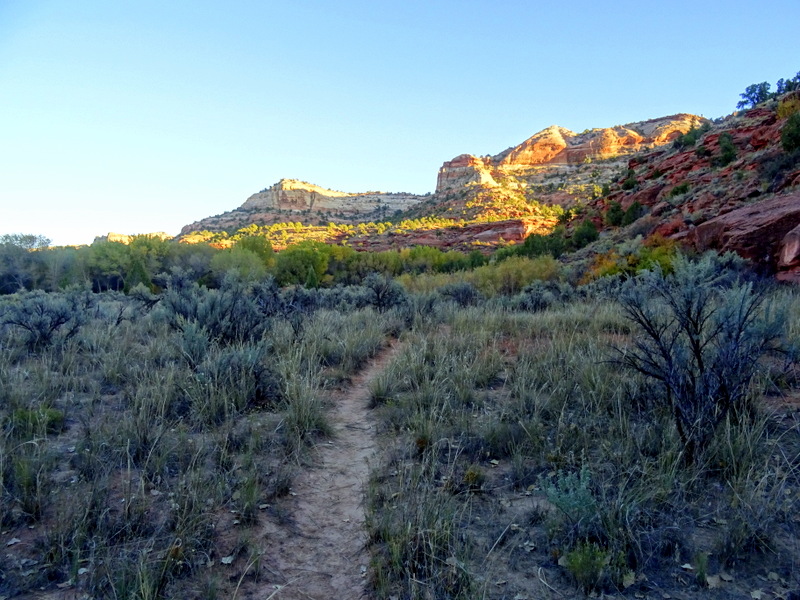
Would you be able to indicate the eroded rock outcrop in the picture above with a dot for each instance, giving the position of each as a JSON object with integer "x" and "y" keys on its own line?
{"x": 559, "y": 146}
{"x": 766, "y": 232}
{"x": 295, "y": 200}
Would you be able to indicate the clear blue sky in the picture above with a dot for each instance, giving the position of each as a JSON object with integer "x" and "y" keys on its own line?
{"x": 144, "y": 116}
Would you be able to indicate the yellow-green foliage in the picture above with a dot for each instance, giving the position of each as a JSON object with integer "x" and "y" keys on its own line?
{"x": 506, "y": 277}
{"x": 656, "y": 250}
{"x": 789, "y": 106}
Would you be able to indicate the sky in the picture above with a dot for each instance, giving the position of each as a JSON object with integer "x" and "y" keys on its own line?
{"x": 144, "y": 116}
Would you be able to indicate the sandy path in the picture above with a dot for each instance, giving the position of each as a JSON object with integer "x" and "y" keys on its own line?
{"x": 321, "y": 552}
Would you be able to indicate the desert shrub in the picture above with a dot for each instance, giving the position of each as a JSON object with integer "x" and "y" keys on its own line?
{"x": 790, "y": 134}
{"x": 384, "y": 292}
{"x": 572, "y": 495}
{"x": 462, "y": 293}
{"x": 584, "y": 234}
{"x": 702, "y": 152}
{"x": 614, "y": 215}
{"x": 690, "y": 138}
{"x": 679, "y": 189}
{"x": 44, "y": 319}
{"x": 727, "y": 150}
{"x": 586, "y": 564}
{"x": 540, "y": 295}
{"x": 604, "y": 288}
{"x": 700, "y": 337}
{"x": 789, "y": 105}
{"x": 635, "y": 210}
{"x": 629, "y": 183}
{"x": 228, "y": 315}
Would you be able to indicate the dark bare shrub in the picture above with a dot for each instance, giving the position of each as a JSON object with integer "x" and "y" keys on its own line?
{"x": 43, "y": 319}
{"x": 700, "y": 337}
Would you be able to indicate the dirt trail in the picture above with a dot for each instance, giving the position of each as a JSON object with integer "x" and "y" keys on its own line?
{"x": 320, "y": 552}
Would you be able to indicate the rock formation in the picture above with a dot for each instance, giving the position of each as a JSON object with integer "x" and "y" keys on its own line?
{"x": 559, "y": 146}
{"x": 294, "y": 200}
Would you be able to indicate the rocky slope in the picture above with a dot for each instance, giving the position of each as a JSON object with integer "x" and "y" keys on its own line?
{"x": 745, "y": 201}
{"x": 293, "y": 200}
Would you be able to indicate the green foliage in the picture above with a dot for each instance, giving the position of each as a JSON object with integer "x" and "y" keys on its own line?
{"x": 702, "y": 152}
{"x": 571, "y": 494}
{"x": 691, "y": 137}
{"x": 757, "y": 93}
{"x": 727, "y": 150}
{"x": 754, "y": 94}
{"x": 584, "y": 234}
{"x": 790, "y": 134}
{"x": 292, "y": 265}
{"x": 635, "y": 210}
{"x": 700, "y": 338}
{"x": 241, "y": 263}
{"x": 679, "y": 189}
{"x": 614, "y": 215}
{"x": 32, "y": 423}
{"x": 258, "y": 245}
{"x": 534, "y": 245}
{"x": 22, "y": 264}
{"x": 586, "y": 564}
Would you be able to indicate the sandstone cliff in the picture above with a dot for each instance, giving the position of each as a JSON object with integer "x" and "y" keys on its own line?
{"x": 294, "y": 200}
{"x": 557, "y": 146}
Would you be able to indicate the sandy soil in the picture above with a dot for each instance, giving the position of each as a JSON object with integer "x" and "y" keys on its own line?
{"x": 319, "y": 549}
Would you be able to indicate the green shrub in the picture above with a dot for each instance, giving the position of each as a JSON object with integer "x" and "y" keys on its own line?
{"x": 586, "y": 564}
{"x": 702, "y": 152}
{"x": 571, "y": 494}
{"x": 727, "y": 150}
{"x": 679, "y": 189}
{"x": 614, "y": 214}
{"x": 691, "y": 137}
{"x": 384, "y": 292}
{"x": 462, "y": 293}
{"x": 584, "y": 234}
{"x": 633, "y": 213}
{"x": 30, "y": 423}
{"x": 790, "y": 135}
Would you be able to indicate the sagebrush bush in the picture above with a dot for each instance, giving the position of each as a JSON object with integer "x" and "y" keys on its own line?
{"x": 43, "y": 319}
{"x": 701, "y": 339}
